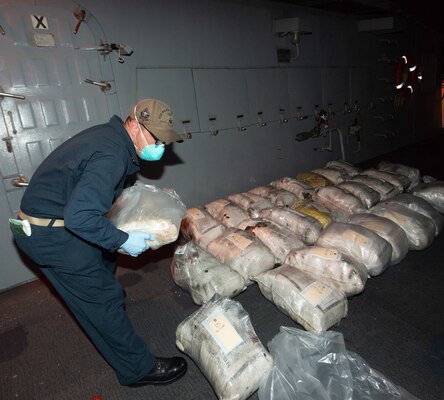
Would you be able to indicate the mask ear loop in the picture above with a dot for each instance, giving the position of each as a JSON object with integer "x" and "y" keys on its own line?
{"x": 140, "y": 128}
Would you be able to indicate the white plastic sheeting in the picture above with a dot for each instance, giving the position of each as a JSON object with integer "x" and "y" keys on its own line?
{"x": 358, "y": 243}
{"x": 388, "y": 230}
{"x": 308, "y": 301}
{"x": 243, "y": 252}
{"x": 305, "y": 226}
{"x": 203, "y": 275}
{"x": 330, "y": 266}
{"x": 200, "y": 226}
{"x": 420, "y": 230}
{"x": 219, "y": 337}
{"x": 310, "y": 366}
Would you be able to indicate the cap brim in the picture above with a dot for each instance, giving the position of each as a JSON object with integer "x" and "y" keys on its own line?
{"x": 165, "y": 135}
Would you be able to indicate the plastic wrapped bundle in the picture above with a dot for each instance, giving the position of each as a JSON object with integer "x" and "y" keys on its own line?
{"x": 366, "y": 194}
{"x": 361, "y": 245}
{"x": 331, "y": 267}
{"x": 433, "y": 192}
{"x": 313, "y": 179}
{"x": 385, "y": 189}
{"x": 279, "y": 239}
{"x": 226, "y": 212}
{"x": 301, "y": 189}
{"x": 340, "y": 203}
{"x": 250, "y": 202}
{"x": 278, "y": 196}
{"x": 412, "y": 173}
{"x": 419, "y": 229}
{"x": 401, "y": 182}
{"x": 305, "y": 226}
{"x": 422, "y": 206}
{"x": 311, "y": 303}
{"x": 202, "y": 275}
{"x": 334, "y": 175}
{"x": 313, "y": 209}
{"x": 388, "y": 230}
{"x": 243, "y": 252}
{"x": 350, "y": 169}
{"x": 200, "y": 226}
{"x": 219, "y": 337}
{"x": 150, "y": 209}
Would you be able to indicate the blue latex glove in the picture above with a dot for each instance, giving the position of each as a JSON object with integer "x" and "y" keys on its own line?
{"x": 136, "y": 243}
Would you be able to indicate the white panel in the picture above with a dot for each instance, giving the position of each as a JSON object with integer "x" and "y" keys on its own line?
{"x": 16, "y": 74}
{"x": 62, "y": 76}
{"x": 335, "y": 85}
{"x": 35, "y": 153}
{"x": 222, "y": 93}
{"x": 40, "y": 72}
{"x": 359, "y": 87}
{"x": 267, "y": 93}
{"x": 175, "y": 87}
{"x": 70, "y": 111}
{"x": 304, "y": 86}
{"x": 26, "y": 115}
{"x": 54, "y": 143}
{"x": 49, "y": 113}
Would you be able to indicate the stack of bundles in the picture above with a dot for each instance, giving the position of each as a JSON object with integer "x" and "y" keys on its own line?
{"x": 219, "y": 337}
{"x": 331, "y": 267}
{"x": 279, "y": 197}
{"x": 368, "y": 196}
{"x": 308, "y": 301}
{"x": 420, "y": 230}
{"x": 279, "y": 239}
{"x": 422, "y": 206}
{"x": 313, "y": 209}
{"x": 346, "y": 167}
{"x": 388, "y": 230}
{"x": 202, "y": 275}
{"x": 401, "y": 182}
{"x": 313, "y": 179}
{"x": 200, "y": 226}
{"x": 340, "y": 203}
{"x": 334, "y": 175}
{"x": 411, "y": 173}
{"x": 305, "y": 226}
{"x": 250, "y": 202}
{"x": 433, "y": 192}
{"x": 243, "y": 252}
{"x": 301, "y": 189}
{"x": 226, "y": 212}
{"x": 385, "y": 189}
{"x": 359, "y": 244}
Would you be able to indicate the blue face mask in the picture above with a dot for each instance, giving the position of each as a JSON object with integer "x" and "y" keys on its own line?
{"x": 152, "y": 152}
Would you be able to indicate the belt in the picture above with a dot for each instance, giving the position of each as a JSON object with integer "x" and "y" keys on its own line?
{"x": 42, "y": 221}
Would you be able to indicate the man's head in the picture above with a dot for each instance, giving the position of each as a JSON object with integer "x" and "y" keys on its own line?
{"x": 157, "y": 118}
{"x": 150, "y": 126}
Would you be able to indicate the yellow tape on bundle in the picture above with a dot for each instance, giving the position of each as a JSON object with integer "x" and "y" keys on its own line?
{"x": 304, "y": 207}
{"x": 313, "y": 179}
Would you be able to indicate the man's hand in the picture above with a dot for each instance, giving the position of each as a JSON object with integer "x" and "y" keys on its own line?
{"x": 136, "y": 243}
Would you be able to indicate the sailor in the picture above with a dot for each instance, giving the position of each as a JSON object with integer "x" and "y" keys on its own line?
{"x": 74, "y": 244}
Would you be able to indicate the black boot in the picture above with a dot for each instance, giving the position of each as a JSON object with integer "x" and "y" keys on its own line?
{"x": 165, "y": 370}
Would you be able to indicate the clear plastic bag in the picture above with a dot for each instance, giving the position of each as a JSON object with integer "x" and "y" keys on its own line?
{"x": 317, "y": 366}
{"x": 147, "y": 208}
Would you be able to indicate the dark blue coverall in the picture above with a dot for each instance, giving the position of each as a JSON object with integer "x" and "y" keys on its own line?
{"x": 78, "y": 183}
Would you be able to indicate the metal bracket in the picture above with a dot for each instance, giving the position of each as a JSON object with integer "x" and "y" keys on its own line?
{"x": 103, "y": 85}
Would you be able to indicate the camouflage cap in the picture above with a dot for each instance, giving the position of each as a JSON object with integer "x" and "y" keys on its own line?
{"x": 157, "y": 118}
